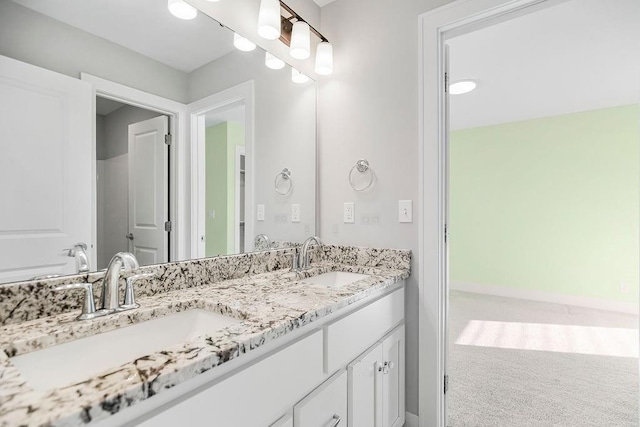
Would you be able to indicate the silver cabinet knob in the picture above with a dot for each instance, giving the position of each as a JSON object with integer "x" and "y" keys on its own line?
{"x": 385, "y": 367}
{"x": 336, "y": 420}
{"x": 129, "y": 236}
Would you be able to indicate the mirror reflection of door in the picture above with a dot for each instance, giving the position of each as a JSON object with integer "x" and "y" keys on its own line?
{"x": 132, "y": 182}
{"x": 224, "y": 187}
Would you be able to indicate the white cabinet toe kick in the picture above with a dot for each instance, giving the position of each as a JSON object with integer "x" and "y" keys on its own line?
{"x": 346, "y": 369}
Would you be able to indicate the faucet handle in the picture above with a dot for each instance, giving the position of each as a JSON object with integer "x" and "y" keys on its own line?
{"x": 129, "y": 294}
{"x": 89, "y": 306}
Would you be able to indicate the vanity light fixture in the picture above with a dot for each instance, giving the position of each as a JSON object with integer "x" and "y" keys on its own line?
{"x": 298, "y": 76}
{"x": 273, "y": 62}
{"x": 300, "y": 45}
{"x": 242, "y": 43}
{"x": 324, "y": 59}
{"x": 269, "y": 24}
{"x": 295, "y": 32}
{"x": 182, "y": 10}
{"x": 462, "y": 86}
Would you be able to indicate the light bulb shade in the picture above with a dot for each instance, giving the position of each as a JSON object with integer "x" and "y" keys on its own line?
{"x": 298, "y": 76}
{"x": 273, "y": 62}
{"x": 300, "y": 47}
{"x": 324, "y": 59}
{"x": 182, "y": 10}
{"x": 269, "y": 19}
{"x": 242, "y": 43}
{"x": 462, "y": 86}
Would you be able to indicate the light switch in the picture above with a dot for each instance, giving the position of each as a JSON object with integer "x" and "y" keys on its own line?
{"x": 405, "y": 211}
{"x": 260, "y": 213}
{"x": 295, "y": 212}
{"x": 349, "y": 214}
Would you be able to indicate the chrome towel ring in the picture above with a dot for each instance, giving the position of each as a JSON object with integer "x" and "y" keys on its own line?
{"x": 284, "y": 176}
{"x": 362, "y": 166}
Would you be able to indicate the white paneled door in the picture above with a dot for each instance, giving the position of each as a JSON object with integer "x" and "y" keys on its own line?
{"x": 149, "y": 190}
{"x": 46, "y": 164}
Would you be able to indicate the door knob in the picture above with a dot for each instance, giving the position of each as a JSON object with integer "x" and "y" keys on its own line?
{"x": 129, "y": 236}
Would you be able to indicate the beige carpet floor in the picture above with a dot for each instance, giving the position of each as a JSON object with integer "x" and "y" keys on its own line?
{"x": 523, "y": 363}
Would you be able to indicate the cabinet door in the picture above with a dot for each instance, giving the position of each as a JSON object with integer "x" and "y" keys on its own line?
{"x": 365, "y": 389}
{"x": 326, "y": 406}
{"x": 392, "y": 373}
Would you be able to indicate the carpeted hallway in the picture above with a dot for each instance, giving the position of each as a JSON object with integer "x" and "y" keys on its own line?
{"x": 522, "y": 363}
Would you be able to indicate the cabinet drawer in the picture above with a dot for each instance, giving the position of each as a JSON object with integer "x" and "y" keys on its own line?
{"x": 350, "y": 336}
{"x": 325, "y": 406}
{"x": 255, "y": 396}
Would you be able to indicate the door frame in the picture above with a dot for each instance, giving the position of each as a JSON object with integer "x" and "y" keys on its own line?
{"x": 239, "y": 152}
{"x": 453, "y": 19}
{"x": 178, "y": 153}
{"x": 242, "y": 93}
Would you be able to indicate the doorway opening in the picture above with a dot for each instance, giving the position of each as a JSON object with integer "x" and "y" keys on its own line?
{"x": 132, "y": 182}
{"x": 443, "y": 216}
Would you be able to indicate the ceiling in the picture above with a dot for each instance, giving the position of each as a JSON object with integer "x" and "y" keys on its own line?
{"x": 144, "y": 26}
{"x": 323, "y": 3}
{"x": 235, "y": 115}
{"x": 106, "y": 106}
{"x": 576, "y": 56}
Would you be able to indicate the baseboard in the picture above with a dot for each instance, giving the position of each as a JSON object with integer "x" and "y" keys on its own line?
{"x": 528, "y": 294}
{"x": 411, "y": 420}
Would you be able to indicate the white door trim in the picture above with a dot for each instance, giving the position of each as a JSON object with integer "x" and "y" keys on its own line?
{"x": 179, "y": 241}
{"x": 244, "y": 93}
{"x": 457, "y": 18}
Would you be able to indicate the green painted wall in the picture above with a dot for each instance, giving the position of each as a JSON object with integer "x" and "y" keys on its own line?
{"x": 220, "y": 167}
{"x": 549, "y": 204}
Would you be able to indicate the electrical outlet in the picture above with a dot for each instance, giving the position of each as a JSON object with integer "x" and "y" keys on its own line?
{"x": 295, "y": 212}
{"x": 405, "y": 211}
{"x": 260, "y": 213}
{"x": 349, "y": 213}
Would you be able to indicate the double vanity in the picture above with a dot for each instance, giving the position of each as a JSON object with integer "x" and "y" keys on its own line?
{"x": 241, "y": 340}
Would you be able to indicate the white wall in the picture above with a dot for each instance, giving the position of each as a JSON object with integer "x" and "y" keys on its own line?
{"x": 31, "y": 37}
{"x": 369, "y": 108}
{"x": 285, "y": 133}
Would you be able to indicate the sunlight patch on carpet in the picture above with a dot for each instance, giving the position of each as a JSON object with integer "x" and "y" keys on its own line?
{"x": 600, "y": 341}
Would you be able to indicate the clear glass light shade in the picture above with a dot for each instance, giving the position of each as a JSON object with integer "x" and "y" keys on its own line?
{"x": 273, "y": 62}
{"x": 462, "y": 86}
{"x": 324, "y": 59}
{"x": 300, "y": 47}
{"x": 298, "y": 76}
{"x": 182, "y": 10}
{"x": 269, "y": 19}
{"x": 242, "y": 43}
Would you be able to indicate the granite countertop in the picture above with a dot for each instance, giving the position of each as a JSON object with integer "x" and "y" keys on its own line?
{"x": 269, "y": 305}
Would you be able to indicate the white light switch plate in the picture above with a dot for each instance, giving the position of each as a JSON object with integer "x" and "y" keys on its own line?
{"x": 295, "y": 212}
{"x": 405, "y": 211}
{"x": 349, "y": 213}
{"x": 260, "y": 213}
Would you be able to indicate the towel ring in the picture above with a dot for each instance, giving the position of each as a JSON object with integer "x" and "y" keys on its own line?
{"x": 285, "y": 176}
{"x": 361, "y": 166}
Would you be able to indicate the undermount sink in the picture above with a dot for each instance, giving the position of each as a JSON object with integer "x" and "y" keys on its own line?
{"x": 335, "y": 279}
{"x": 82, "y": 359}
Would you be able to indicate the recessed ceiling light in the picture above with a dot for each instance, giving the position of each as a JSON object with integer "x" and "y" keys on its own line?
{"x": 243, "y": 44}
{"x": 182, "y": 10}
{"x": 462, "y": 86}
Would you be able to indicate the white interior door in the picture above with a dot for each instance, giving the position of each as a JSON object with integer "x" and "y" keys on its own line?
{"x": 46, "y": 170}
{"x": 148, "y": 190}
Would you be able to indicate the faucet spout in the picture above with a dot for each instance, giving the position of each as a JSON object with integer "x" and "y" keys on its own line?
{"x": 121, "y": 260}
{"x": 304, "y": 260}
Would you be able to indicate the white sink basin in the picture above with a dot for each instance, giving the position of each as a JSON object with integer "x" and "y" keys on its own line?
{"x": 335, "y": 279}
{"x": 82, "y": 359}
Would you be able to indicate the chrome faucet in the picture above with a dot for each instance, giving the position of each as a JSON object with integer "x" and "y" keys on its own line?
{"x": 304, "y": 259}
{"x": 121, "y": 260}
{"x": 79, "y": 251}
{"x": 264, "y": 238}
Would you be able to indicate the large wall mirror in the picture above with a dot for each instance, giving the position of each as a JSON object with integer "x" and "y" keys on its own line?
{"x": 83, "y": 164}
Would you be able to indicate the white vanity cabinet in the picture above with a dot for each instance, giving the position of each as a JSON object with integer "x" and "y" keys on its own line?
{"x": 345, "y": 370}
{"x": 376, "y": 384}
